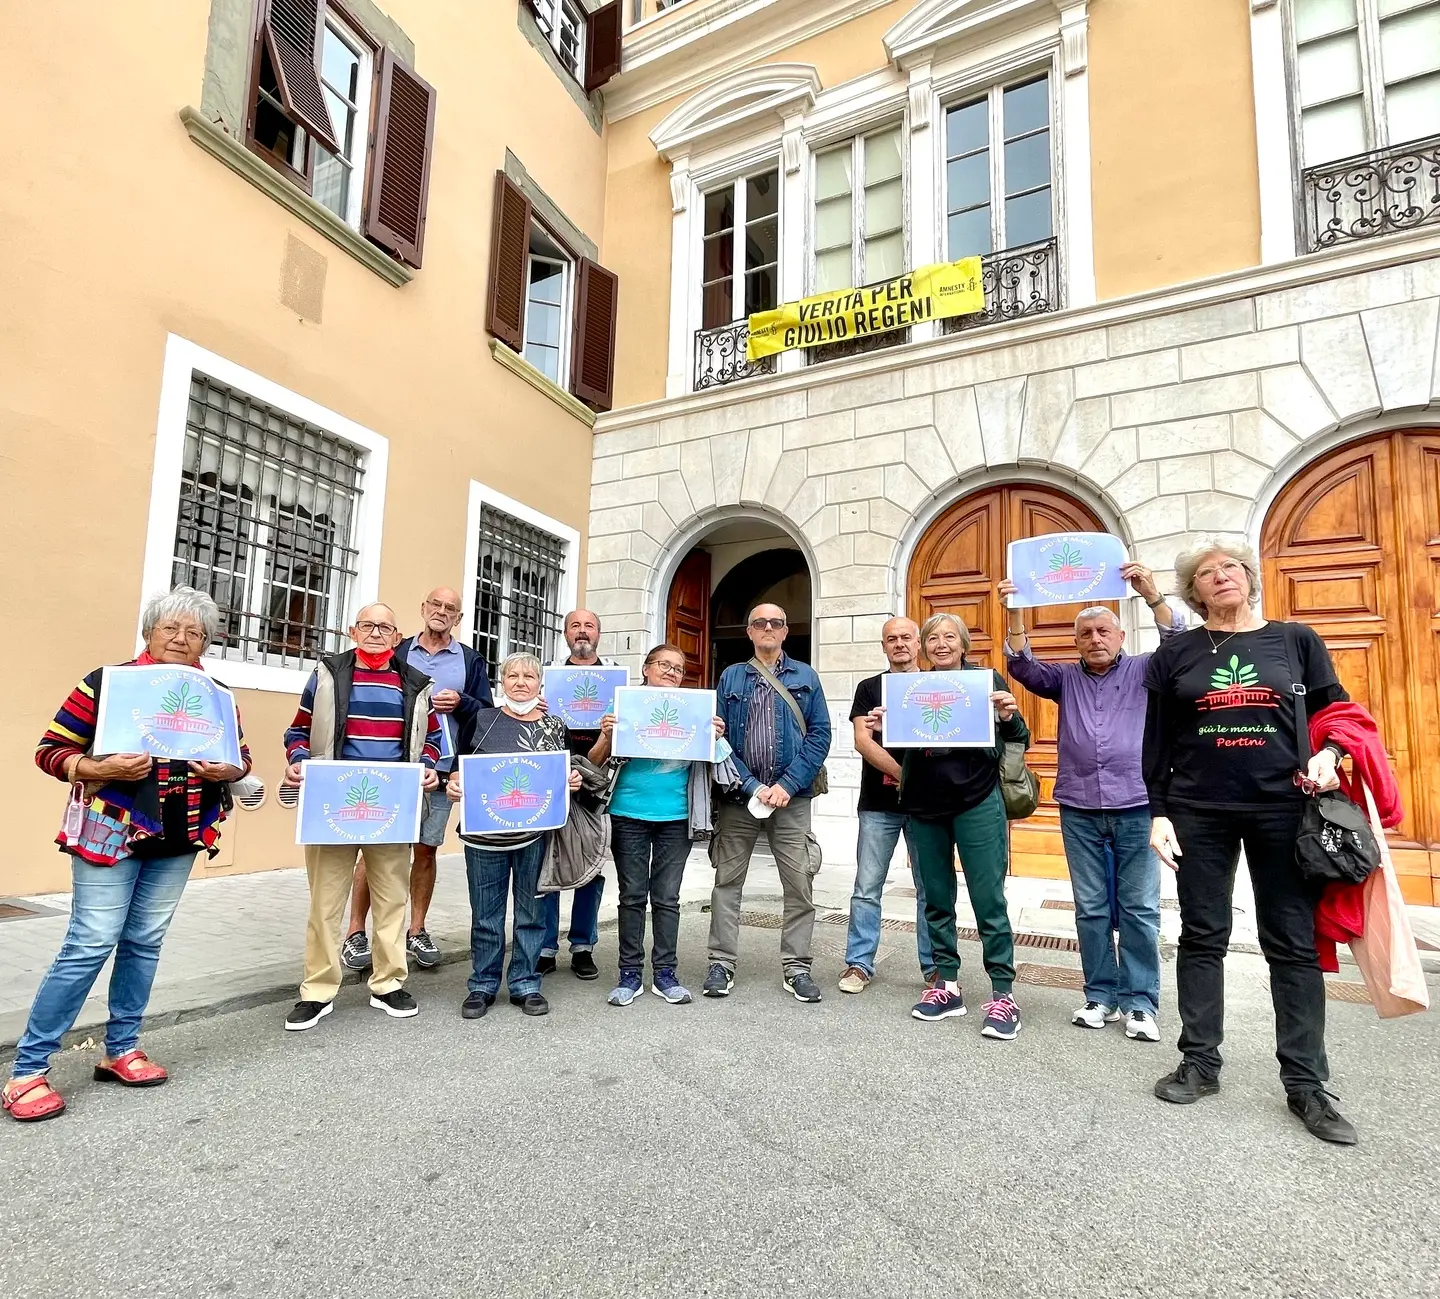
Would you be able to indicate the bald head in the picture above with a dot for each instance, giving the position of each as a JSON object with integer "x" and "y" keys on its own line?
{"x": 900, "y": 639}
{"x": 440, "y": 612}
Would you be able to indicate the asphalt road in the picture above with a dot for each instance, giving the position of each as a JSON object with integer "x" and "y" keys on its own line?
{"x": 754, "y": 1146}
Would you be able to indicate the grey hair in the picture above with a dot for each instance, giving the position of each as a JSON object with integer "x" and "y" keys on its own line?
{"x": 1097, "y": 611}
{"x": 935, "y": 619}
{"x": 1188, "y": 561}
{"x": 521, "y": 659}
{"x": 182, "y": 602}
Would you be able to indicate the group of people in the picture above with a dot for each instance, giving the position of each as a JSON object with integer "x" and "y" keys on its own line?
{"x": 1182, "y": 756}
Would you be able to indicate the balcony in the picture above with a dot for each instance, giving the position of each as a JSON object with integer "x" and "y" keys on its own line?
{"x": 1018, "y": 282}
{"x": 1372, "y": 194}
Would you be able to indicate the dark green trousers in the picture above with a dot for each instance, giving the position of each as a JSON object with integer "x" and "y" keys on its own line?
{"x": 980, "y": 836}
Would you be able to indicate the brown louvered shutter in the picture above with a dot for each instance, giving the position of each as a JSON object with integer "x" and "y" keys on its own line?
{"x": 400, "y": 174}
{"x": 292, "y": 31}
{"x": 602, "y": 45}
{"x": 596, "y": 301}
{"x": 509, "y": 253}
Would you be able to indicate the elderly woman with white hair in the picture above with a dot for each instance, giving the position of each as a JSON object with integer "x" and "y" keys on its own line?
{"x": 953, "y": 800}
{"x": 144, "y": 823}
{"x": 1223, "y": 770}
{"x": 498, "y": 865}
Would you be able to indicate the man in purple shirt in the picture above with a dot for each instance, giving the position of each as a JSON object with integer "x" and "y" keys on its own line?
{"x": 1103, "y": 803}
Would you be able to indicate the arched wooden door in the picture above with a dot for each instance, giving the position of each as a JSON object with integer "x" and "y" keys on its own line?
{"x": 1352, "y": 547}
{"x": 687, "y": 615}
{"x": 955, "y": 569}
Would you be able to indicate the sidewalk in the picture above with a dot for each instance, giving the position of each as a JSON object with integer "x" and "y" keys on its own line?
{"x": 238, "y": 941}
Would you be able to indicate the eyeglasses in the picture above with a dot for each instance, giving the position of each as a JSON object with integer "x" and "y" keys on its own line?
{"x": 759, "y": 624}
{"x": 1231, "y": 568}
{"x": 191, "y": 635}
{"x": 442, "y": 608}
{"x": 668, "y": 669}
{"x": 375, "y": 628}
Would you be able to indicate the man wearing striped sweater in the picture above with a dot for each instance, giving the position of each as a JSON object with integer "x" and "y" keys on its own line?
{"x": 364, "y": 705}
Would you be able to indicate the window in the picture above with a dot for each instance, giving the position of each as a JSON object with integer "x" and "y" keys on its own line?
{"x": 999, "y": 197}
{"x": 860, "y": 212}
{"x": 518, "y": 588}
{"x": 740, "y": 272}
{"x": 346, "y": 74}
{"x": 320, "y": 90}
{"x": 563, "y": 23}
{"x": 548, "y": 307}
{"x": 266, "y": 525}
{"x": 1368, "y": 74}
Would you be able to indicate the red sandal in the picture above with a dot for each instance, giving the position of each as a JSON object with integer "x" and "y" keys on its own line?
{"x": 133, "y": 1069}
{"x": 46, "y": 1106}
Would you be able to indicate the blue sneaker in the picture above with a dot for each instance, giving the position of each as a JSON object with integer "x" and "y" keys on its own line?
{"x": 663, "y": 983}
{"x": 627, "y": 989}
{"x": 943, "y": 1001}
{"x": 1002, "y": 1018}
{"x": 718, "y": 981}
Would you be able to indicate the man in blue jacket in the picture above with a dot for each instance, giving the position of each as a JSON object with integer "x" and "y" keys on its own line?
{"x": 460, "y": 687}
{"x": 778, "y": 726}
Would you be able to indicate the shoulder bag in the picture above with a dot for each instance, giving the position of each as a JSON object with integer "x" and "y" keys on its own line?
{"x": 1335, "y": 842}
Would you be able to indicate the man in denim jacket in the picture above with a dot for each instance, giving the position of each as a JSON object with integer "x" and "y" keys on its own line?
{"x": 778, "y": 765}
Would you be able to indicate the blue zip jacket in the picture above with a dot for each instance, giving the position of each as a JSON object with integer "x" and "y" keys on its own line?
{"x": 799, "y": 761}
{"x": 476, "y": 694}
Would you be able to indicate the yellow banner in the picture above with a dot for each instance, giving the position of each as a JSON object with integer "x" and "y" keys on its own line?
{"x": 926, "y": 293}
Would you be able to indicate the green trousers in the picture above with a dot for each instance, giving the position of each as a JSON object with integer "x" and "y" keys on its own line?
{"x": 980, "y": 836}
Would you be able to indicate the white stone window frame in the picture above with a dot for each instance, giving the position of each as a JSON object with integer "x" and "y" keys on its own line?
{"x": 729, "y": 171}
{"x": 481, "y": 495}
{"x": 358, "y": 159}
{"x": 182, "y": 359}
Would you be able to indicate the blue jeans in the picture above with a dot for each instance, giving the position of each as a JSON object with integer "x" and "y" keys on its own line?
{"x": 584, "y": 919}
{"x": 879, "y": 833}
{"x": 493, "y": 876}
{"x": 1132, "y": 982}
{"x": 125, "y": 909}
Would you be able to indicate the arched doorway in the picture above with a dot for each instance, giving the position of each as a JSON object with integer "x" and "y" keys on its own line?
{"x": 955, "y": 569}
{"x": 730, "y": 569}
{"x": 1352, "y": 547}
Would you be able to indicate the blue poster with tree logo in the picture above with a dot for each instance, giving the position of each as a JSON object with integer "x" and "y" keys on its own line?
{"x": 358, "y": 802}
{"x": 1066, "y": 568}
{"x": 505, "y": 793}
{"x": 656, "y": 722}
{"x": 580, "y": 697}
{"x": 938, "y": 710}
{"x": 169, "y": 711}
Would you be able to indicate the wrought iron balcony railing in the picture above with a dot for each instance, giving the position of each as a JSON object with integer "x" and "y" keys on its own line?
{"x": 1018, "y": 282}
{"x": 1372, "y": 194}
{"x": 720, "y": 356}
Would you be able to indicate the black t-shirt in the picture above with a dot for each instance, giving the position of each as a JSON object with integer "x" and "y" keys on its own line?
{"x": 1220, "y": 730}
{"x": 878, "y": 792}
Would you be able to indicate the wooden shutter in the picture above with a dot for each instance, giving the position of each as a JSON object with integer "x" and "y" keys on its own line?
{"x": 596, "y": 301}
{"x": 602, "y": 45}
{"x": 400, "y": 173}
{"x": 509, "y": 255}
{"x": 292, "y": 31}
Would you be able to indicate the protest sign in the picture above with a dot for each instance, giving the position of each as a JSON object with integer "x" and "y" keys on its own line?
{"x": 169, "y": 711}
{"x": 1066, "y": 568}
{"x": 580, "y": 697}
{"x": 502, "y": 793}
{"x": 656, "y": 722}
{"x": 938, "y": 710}
{"x": 358, "y": 802}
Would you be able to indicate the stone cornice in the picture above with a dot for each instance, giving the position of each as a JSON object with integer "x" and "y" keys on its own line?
{"x": 773, "y": 90}
{"x": 517, "y": 364}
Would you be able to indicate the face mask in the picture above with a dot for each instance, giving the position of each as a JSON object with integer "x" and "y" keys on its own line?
{"x": 525, "y": 707}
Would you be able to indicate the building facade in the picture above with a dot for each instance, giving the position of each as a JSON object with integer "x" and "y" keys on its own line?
{"x": 1212, "y": 287}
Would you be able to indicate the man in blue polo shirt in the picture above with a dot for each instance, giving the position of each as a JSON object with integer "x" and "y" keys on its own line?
{"x": 459, "y": 687}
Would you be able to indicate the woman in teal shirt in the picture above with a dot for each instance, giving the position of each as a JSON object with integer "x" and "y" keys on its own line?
{"x": 652, "y": 818}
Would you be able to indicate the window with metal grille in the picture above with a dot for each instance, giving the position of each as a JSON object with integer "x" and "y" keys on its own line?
{"x": 266, "y": 526}
{"x": 517, "y": 589}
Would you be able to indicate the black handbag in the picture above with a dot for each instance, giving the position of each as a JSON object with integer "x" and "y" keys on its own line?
{"x": 1335, "y": 842}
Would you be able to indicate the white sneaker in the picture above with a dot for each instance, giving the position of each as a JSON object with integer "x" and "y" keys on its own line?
{"x": 1142, "y": 1026}
{"x": 1093, "y": 1015}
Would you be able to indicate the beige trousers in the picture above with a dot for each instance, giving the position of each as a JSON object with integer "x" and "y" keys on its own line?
{"x": 331, "y": 868}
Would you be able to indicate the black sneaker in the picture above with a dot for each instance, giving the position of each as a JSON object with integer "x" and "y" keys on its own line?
{"x": 421, "y": 947}
{"x": 1314, "y": 1110}
{"x": 306, "y": 1015}
{"x": 398, "y": 1004}
{"x": 476, "y": 1004}
{"x": 582, "y": 966}
{"x": 545, "y": 965}
{"x": 1185, "y": 1085}
{"x": 355, "y": 951}
{"x": 718, "y": 982}
{"x": 533, "y": 1004}
{"x": 802, "y": 986}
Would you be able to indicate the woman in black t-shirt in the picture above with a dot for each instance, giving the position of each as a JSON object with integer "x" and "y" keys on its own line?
{"x": 1222, "y": 750}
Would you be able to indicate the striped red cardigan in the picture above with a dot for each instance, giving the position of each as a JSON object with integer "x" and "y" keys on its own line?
{"x": 134, "y": 805}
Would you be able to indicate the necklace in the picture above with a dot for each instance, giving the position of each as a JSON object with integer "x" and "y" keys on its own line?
{"x": 1214, "y": 647}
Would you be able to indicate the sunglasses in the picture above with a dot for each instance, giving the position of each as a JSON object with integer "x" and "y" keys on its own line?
{"x": 759, "y": 624}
